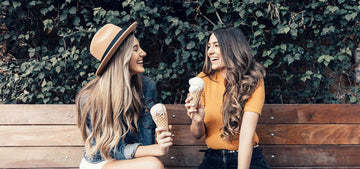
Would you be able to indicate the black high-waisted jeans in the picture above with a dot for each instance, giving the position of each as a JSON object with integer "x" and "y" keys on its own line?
{"x": 225, "y": 159}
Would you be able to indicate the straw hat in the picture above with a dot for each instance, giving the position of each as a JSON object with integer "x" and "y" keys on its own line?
{"x": 106, "y": 41}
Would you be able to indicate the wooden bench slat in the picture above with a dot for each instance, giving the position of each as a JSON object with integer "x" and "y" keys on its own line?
{"x": 182, "y": 156}
{"x": 37, "y": 114}
{"x": 69, "y": 135}
{"x": 310, "y": 113}
{"x": 309, "y": 134}
{"x": 43, "y": 135}
{"x": 313, "y": 155}
{"x": 272, "y": 113}
{"x": 40, "y": 157}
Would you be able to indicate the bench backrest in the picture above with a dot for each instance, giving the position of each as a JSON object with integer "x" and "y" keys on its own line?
{"x": 291, "y": 135}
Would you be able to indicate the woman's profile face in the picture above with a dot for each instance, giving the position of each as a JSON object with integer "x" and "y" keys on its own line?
{"x": 136, "y": 61}
{"x": 214, "y": 53}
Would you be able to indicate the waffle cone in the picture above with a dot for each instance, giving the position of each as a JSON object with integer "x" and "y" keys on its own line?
{"x": 161, "y": 120}
{"x": 196, "y": 96}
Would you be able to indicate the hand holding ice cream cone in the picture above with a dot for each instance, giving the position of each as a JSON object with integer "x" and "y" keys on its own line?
{"x": 192, "y": 101}
{"x": 163, "y": 137}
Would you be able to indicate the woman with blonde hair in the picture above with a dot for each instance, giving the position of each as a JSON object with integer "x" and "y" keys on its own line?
{"x": 113, "y": 111}
{"x": 231, "y": 103}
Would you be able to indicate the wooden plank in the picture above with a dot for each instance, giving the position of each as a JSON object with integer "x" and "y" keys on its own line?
{"x": 38, "y": 114}
{"x": 183, "y": 156}
{"x": 44, "y": 135}
{"x": 43, "y": 157}
{"x": 40, "y": 157}
{"x": 310, "y": 113}
{"x": 177, "y": 114}
{"x": 272, "y": 113}
{"x": 309, "y": 134}
{"x": 69, "y": 135}
{"x": 288, "y": 113}
{"x": 65, "y": 114}
{"x": 182, "y": 136}
{"x": 313, "y": 155}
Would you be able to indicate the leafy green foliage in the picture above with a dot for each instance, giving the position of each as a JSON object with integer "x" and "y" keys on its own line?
{"x": 305, "y": 46}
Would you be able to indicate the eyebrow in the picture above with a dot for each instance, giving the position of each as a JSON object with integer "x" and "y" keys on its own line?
{"x": 135, "y": 46}
{"x": 213, "y": 42}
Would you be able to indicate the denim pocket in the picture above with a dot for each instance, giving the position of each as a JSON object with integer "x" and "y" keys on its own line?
{"x": 258, "y": 160}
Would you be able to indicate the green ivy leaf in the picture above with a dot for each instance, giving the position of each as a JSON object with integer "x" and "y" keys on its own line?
{"x": 257, "y": 33}
{"x": 351, "y": 16}
{"x": 267, "y": 63}
{"x": 168, "y": 40}
{"x": 58, "y": 69}
{"x": 72, "y": 10}
{"x": 190, "y": 45}
{"x": 306, "y": 76}
{"x": 5, "y": 3}
{"x": 353, "y": 99}
{"x": 16, "y": 4}
{"x": 76, "y": 21}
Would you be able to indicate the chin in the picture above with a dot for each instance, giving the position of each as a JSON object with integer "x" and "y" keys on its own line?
{"x": 214, "y": 67}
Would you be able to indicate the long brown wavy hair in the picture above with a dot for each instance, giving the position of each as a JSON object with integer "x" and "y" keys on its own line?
{"x": 112, "y": 102}
{"x": 242, "y": 77}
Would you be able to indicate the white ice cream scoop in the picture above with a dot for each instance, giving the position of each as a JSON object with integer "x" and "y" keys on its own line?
{"x": 196, "y": 84}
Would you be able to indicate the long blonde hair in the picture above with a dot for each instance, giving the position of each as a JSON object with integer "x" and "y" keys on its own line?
{"x": 112, "y": 101}
{"x": 242, "y": 77}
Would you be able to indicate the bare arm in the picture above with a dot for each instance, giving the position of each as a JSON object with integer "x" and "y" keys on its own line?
{"x": 246, "y": 139}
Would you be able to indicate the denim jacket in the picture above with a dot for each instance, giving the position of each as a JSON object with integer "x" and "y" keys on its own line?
{"x": 146, "y": 136}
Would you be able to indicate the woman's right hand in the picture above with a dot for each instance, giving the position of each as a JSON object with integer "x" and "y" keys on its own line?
{"x": 194, "y": 111}
{"x": 164, "y": 140}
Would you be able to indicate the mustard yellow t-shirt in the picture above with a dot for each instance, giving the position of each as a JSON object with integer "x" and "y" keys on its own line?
{"x": 212, "y": 99}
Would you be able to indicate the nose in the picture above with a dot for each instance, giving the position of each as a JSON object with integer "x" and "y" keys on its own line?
{"x": 142, "y": 53}
{"x": 210, "y": 50}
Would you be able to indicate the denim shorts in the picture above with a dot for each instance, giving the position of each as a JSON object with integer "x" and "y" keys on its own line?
{"x": 224, "y": 159}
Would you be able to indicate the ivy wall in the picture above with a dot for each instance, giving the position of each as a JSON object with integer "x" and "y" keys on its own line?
{"x": 307, "y": 47}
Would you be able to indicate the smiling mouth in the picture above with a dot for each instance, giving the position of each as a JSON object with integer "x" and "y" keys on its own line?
{"x": 140, "y": 62}
{"x": 214, "y": 59}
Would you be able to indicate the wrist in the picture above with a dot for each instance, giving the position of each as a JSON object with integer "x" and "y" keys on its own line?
{"x": 197, "y": 123}
{"x": 159, "y": 151}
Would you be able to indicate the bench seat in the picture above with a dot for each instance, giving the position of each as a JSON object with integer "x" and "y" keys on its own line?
{"x": 291, "y": 136}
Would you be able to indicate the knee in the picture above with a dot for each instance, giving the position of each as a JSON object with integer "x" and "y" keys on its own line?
{"x": 154, "y": 163}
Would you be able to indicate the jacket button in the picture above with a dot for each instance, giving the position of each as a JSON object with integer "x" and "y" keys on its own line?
{"x": 146, "y": 110}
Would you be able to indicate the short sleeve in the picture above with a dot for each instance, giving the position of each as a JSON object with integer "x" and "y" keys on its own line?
{"x": 256, "y": 102}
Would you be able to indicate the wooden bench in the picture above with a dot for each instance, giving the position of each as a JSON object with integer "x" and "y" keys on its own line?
{"x": 291, "y": 135}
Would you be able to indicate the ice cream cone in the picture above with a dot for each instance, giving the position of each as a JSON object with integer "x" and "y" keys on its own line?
{"x": 160, "y": 115}
{"x": 196, "y": 88}
{"x": 196, "y": 96}
{"x": 161, "y": 120}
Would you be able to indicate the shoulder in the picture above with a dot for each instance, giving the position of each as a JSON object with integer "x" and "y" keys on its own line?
{"x": 147, "y": 81}
{"x": 260, "y": 84}
{"x": 201, "y": 74}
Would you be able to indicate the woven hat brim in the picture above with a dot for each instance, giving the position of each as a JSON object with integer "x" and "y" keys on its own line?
{"x": 113, "y": 49}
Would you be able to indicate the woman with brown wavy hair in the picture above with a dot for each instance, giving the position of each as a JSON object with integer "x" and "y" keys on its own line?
{"x": 231, "y": 103}
{"x": 113, "y": 115}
